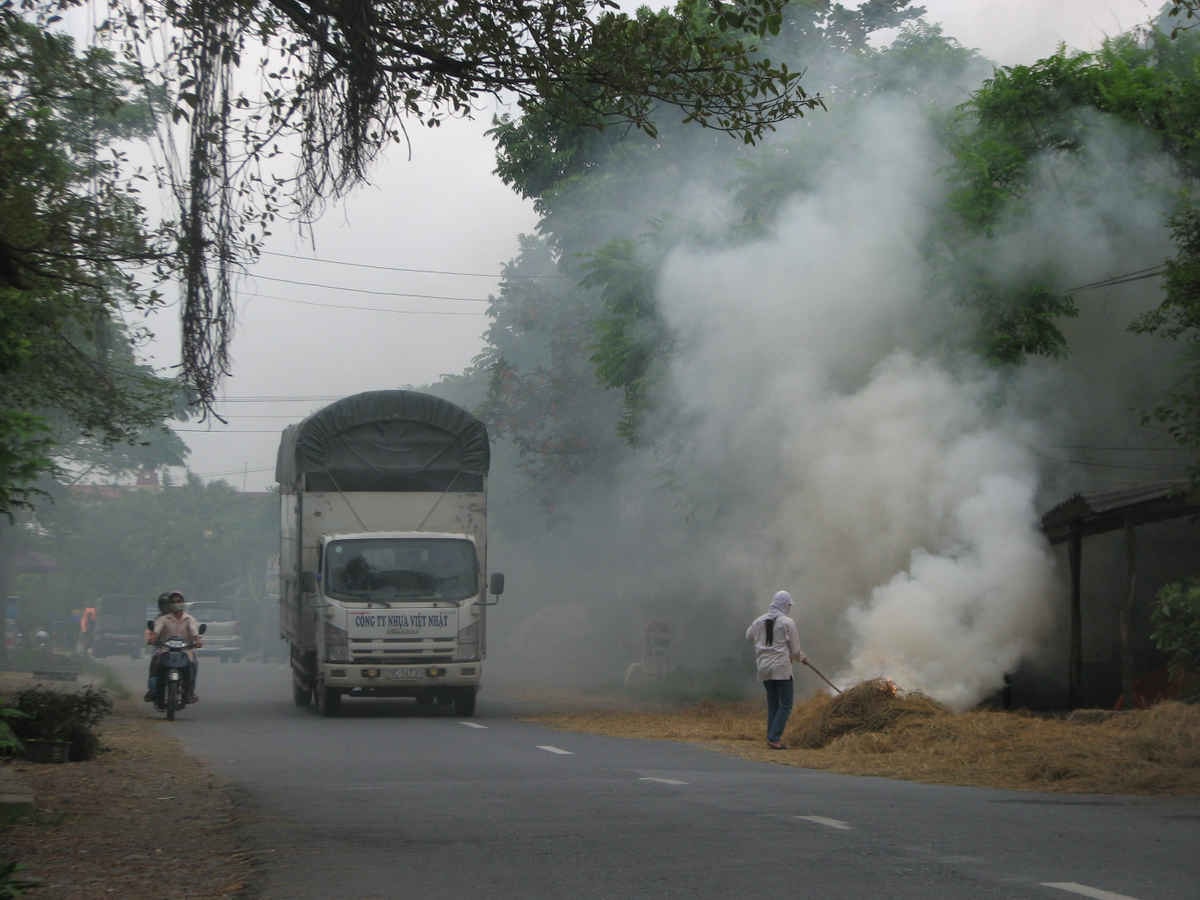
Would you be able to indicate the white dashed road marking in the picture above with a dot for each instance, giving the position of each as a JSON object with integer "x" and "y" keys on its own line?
{"x": 828, "y": 823}
{"x": 559, "y": 750}
{"x": 472, "y": 724}
{"x": 1084, "y": 891}
{"x": 663, "y": 780}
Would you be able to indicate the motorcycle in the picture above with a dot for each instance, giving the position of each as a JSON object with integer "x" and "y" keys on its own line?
{"x": 173, "y": 663}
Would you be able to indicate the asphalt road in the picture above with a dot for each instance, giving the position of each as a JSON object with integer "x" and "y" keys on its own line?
{"x": 391, "y": 800}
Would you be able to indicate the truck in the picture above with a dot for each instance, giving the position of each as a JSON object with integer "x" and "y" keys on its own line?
{"x": 383, "y": 585}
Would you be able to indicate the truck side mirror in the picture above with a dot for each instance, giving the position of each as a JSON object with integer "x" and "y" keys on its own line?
{"x": 308, "y": 582}
{"x": 496, "y": 584}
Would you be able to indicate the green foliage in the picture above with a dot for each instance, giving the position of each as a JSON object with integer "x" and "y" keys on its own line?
{"x": 1175, "y": 626}
{"x": 12, "y": 883}
{"x": 629, "y": 333}
{"x": 343, "y": 81}
{"x": 62, "y": 716}
{"x": 10, "y": 743}
{"x": 1024, "y": 114}
{"x": 74, "y": 251}
{"x": 600, "y": 194}
{"x": 543, "y": 394}
{"x": 195, "y": 537}
{"x": 25, "y": 453}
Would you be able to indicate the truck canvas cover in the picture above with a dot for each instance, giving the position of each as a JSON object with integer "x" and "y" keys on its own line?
{"x": 385, "y": 441}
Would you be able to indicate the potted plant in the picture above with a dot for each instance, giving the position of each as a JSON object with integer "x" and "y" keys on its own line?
{"x": 10, "y": 743}
{"x": 59, "y": 724}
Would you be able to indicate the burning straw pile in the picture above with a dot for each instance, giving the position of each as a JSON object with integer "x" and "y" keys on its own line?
{"x": 868, "y": 707}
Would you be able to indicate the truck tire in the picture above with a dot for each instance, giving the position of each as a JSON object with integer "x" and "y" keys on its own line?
{"x": 328, "y": 700}
{"x": 301, "y": 695}
{"x": 464, "y": 703}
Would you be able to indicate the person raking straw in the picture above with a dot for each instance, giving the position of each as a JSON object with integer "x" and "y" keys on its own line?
{"x": 776, "y": 647}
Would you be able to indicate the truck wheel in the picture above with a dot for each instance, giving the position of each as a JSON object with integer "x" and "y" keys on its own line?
{"x": 301, "y": 695}
{"x": 329, "y": 700}
{"x": 464, "y": 703}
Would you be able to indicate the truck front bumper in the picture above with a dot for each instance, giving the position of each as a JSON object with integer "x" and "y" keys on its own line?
{"x": 399, "y": 679}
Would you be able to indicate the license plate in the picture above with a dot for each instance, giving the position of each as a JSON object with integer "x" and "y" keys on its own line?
{"x": 409, "y": 672}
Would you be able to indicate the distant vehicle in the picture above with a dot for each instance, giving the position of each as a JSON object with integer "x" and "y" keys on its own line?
{"x": 120, "y": 625}
{"x": 224, "y": 636}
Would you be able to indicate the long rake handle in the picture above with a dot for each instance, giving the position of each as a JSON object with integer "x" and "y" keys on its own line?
{"x": 823, "y": 678}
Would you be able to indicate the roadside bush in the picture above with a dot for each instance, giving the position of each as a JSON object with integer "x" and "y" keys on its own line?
{"x": 1175, "y": 629}
{"x": 62, "y": 716}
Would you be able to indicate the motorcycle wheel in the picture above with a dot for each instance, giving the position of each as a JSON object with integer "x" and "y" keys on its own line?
{"x": 172, "y": 699}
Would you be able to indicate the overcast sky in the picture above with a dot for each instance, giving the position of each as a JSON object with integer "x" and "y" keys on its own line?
{"x": 317, "y": 322}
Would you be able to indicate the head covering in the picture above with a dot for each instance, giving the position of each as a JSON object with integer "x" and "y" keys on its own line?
{"x": 781, "y": 603}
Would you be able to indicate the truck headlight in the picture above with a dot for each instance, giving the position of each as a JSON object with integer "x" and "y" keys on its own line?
{"x": 467, "y": 647}
{"x": 337, "y": 644}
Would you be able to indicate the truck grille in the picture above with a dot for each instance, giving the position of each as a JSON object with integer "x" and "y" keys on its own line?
{"x": 401, "y": 650}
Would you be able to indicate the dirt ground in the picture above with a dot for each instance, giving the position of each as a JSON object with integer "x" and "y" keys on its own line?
{"x": 141, "y": 821}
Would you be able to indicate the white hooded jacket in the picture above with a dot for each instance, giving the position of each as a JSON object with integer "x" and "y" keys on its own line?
{"x": 774, "y": 659}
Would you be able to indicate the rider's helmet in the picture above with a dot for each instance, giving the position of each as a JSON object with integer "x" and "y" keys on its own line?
{"x": 164, "y": 602}
{"x": 175, "y": 601}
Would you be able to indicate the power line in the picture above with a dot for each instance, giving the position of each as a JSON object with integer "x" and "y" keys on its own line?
{"x": 384, "y": 309}
{"x": 229, "y": 430}
{"x": 1123, "y": 278}
{"x": 235, "y": 472}
{"x": 339, "y": 262}
{"x": 336, "y": 287}
{"x": 282, "y": 398}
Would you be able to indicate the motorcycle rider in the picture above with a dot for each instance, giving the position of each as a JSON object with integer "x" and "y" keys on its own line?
{"x": 175, "y": 621}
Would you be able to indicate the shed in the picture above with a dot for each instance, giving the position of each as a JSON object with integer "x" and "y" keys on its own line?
{"x": 1095, "y": 513}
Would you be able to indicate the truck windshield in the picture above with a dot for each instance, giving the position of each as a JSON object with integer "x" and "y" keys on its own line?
{"x": 399, "y": 569}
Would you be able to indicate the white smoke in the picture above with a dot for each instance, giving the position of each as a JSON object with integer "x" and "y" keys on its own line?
{"x": 885, "y": 480}
{"x": 830, "y": 430}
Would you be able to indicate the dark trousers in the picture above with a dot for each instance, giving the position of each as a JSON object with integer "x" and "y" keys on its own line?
{"x": 189, "y": 676}
{"x": 780, "y": 694}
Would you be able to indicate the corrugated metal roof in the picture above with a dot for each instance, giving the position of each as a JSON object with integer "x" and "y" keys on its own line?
{"x": 1104, "y": 510}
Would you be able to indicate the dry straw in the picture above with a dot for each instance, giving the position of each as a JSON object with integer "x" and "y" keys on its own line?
{"x": 874, "y": 729}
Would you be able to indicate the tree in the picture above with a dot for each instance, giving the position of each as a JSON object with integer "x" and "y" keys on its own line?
{"x": 74, "y": 252}
{"x": 1175, "y": 628}
{"x": 336, "y": 83}
{"x": 600, "y": 196}
{"x": 1146, "y": 79}
{"x": 195, "y": 537}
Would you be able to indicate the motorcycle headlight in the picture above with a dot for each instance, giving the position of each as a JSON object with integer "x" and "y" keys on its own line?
{"x": 467, "y": 647}
{"x": 337, "y": 644}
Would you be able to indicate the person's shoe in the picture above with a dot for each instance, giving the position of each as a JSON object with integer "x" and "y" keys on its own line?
{"x": 149, "y": 698}
{"x": 776, "y": 745}
{"x": 193, "y": 698}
